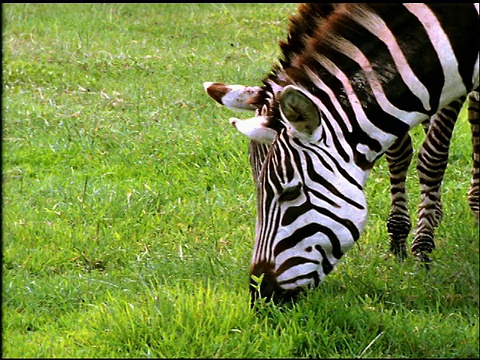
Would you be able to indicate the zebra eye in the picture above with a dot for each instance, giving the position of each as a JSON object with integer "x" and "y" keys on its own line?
{"x": 291, "y": 193}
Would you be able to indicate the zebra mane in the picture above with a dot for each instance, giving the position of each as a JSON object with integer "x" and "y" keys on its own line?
{"x": 302, "y": 27}
{"x": 317, "y": 28}
{"x": 314, "y": 28}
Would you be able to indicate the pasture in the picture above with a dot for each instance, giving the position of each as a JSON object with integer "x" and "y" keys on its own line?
{"x": 128, "y": 210}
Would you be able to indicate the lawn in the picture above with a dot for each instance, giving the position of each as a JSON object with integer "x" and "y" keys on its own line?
{"x": 128, "y": 210}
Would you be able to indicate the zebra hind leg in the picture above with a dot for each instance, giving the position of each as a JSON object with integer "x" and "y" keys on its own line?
{"x": 399, "y": 157}
{"x": 474, "y": 119}
{"x": 431, "y": 164}
{"x": 438, "y": 212}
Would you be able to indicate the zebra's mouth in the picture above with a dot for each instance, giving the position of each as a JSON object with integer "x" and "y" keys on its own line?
{"x": 264, "y": 287}
{"x": 277, "y": 296}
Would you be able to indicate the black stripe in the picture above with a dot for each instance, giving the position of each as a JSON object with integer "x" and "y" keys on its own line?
{"x": 357, "y": 135}
{"x": 364, "y": 93}
{"x": 295, "y": 153}
{"x": 305, "y": 232}
{"x": 312, "y": 275}
{"x": 382, "y": 63}
{"x": 292, "y": 262}
{"x": 286, "y": 163}
{"x": 399, "y": 187}
{"x": 318, "y": 179}
{"x": 322, "y": 197}
{"x": 432, "y": 172}
{"x": 326, "y": 266}
{"x": 343, "y": 172}
{"x": 313, "y": 149}
{"x": 294, "y": 212}
{"x": 415, "y": 44}
{"x": 310, "y": 148}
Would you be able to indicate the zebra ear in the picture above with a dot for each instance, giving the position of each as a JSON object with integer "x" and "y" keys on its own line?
{"x": 299, "y": 111}
{"x": 255, "y": 129}
{"x": 235, "y": 97}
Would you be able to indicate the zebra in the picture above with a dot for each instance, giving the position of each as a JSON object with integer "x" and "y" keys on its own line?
{"x": 353, "y": 79}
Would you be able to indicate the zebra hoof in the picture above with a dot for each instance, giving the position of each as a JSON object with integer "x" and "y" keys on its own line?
{"x": 399, "y": 250}
{"x": 422, "y": 246}
{"x": 423, "y": 258}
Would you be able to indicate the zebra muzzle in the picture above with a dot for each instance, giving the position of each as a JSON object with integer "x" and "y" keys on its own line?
{"x": 264, "y": 287}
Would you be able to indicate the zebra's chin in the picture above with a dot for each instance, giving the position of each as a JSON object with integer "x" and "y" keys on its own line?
{"x": 264, "y": 286}
{"x": 269, "y": 291}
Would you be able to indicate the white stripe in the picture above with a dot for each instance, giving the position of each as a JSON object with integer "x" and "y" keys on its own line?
{"x": 377, "y": 27}
{"x": 365, "y": 124}
{"x": 453, "y": 86}
{"x": 354, "y": 53}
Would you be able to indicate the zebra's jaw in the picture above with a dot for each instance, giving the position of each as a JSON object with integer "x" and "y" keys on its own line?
{"x": 320, "y": 252}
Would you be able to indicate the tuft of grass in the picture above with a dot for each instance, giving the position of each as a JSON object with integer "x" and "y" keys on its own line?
{"x": 129, "y": 208}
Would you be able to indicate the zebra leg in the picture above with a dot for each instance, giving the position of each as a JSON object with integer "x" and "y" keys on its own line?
{"x": 474, "y": 119}
{"x": 431, "y": 165}
{"x": 437, "y": 217}
{"x": 399, "y": 157}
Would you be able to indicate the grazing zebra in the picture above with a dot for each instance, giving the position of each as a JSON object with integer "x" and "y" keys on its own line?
{"x": 353, "y": 79}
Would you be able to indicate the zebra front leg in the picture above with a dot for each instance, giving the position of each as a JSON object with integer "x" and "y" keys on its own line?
{"x": 399, "y": 157}
{"x": 474, "y": 119}
{"x": 431, "y": 165}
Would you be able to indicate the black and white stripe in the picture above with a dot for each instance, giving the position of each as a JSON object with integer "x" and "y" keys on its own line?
{"x": 431, "y": 164}
{"x": 474, "y": 119}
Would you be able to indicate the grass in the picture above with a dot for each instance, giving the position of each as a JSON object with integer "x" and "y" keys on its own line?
{"x": 128, "y": 205}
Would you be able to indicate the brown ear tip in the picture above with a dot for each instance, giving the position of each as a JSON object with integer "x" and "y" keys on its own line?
{"x": 216, "y": 90}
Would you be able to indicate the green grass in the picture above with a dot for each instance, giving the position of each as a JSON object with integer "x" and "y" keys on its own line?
{"x": 129, "y": 209}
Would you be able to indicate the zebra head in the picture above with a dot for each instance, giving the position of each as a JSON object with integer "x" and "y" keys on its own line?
{"x": 310, "y": 202}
